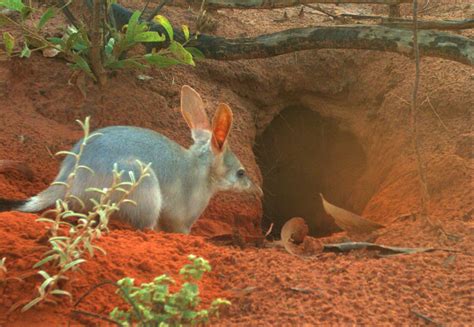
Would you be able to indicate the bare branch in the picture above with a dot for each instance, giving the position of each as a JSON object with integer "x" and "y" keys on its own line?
{"x": 96, "y": 43}
{"x": 158, "y": 9}
{"x": 271, "y": 4}
{"x": 414, "y": 117}
{"x": 69, "y": 15}
{"x": 366, "y": 37}
{"x": 427, "y": 25}
{"x": 404, "y": 22}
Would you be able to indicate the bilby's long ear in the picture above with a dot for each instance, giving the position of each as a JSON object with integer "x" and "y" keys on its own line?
{"x": 221, "y": 124}
{"x": 192, "y": 109}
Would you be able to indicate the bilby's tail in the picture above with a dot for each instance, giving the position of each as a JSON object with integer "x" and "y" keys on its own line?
{"x": 9, "y": 205}
{"x": 36, "y": 203}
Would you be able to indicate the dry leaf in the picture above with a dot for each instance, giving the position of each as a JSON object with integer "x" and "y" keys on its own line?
{"x": 348, "y": 221}
{"x": 143, "y": 77}
{"x": 50, "y": 52}
{"x": 293, "y": 234}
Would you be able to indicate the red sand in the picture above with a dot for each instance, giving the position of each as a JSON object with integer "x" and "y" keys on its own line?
{"x": 267, "y": 286}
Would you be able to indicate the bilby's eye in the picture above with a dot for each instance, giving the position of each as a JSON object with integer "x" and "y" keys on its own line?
{"x": 241, "y": 173}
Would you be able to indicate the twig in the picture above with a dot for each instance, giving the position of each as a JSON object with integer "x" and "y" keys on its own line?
{"x": 427, "y": 3}
{"x": 125, "y": 294}
{"x": 425, "y": 318}
{"x": 157, "y": 9}
{"x": 436, "y": 114}
{"x": 414, "y": 121}
{"x": 92, "y": 289}
{"x": 144, "y": 8}
{"x": 318, "y": 8}
{"x": 403, "y": 22}
{"x": 95, "y": 315}
{"x": 428, "y": 25}
{"x": 426, "y": 8}
{"x": 95, "y": 52}
{"x": 49, "y": 151}
{"x": 69, "y": 15}
{"x": 274, "y": 4}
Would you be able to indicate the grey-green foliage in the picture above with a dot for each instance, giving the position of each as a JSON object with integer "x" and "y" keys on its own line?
{"x": 71, "y": 247}
{"x": 152, "y": 304}
{"x": 75, "y": 44}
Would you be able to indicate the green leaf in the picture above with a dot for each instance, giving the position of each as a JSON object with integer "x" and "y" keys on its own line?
{"x": 190, "y": 315}
{"x": 77, "y": 41}
{"x": 163, "y": 21}
{"x": 69, "y": 153}
{"x": 9, "y": 41}
{"x": 25, "y": 12}
{"x": 185, "y": 32}
{"x": 109, "y": 47}
{"x": 47, "y": 259}
{"x": 56, "y": 40}
{"x": 101, "y": 250}
{"x": 82, "y": 64}
{"x": 58, "y": 238}
{"x": 42, "y": 288}
{"x": 73, "y": 264}
{"x": 15, "y": 5}
{"x": 196, "y": 53}
{"x": 132, "y": 26}
{"x": 44, "y": 274}
{"x": 181, "y": 53}
{"x": 161, "y": 61}
{"x": 149, "y": 36}
{"x": 31, "y": 304}
{"x": 26, "y": 52}
{"x": 46, "y": 16}
{"x": 170, "y": 309}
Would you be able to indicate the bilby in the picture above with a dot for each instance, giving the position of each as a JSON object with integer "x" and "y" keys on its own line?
{"x": 181, "y": 181}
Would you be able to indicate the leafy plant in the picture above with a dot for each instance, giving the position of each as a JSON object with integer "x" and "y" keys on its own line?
{"x": 96, "y": 47}
{"x": 152, "y": 304}
{"x": 70, "y": 247}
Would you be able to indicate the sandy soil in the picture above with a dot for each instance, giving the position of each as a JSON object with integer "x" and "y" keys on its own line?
{"x": 366, "y": 91}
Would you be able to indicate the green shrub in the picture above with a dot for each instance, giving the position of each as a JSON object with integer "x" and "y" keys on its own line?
{"x": 97, "y": 47}
{"x": 152, "y": 304}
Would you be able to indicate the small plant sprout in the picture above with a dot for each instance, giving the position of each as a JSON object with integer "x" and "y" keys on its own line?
{"x": 152, "y": 304}
{"x": 69, "y": 249}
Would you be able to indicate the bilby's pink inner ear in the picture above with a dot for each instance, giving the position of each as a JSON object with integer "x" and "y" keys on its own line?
{"x": 221, "y": 124}
{"x": 192, "y": 109}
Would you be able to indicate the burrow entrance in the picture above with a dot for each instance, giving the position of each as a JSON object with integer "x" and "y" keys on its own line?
{"x": 302, "y": 154}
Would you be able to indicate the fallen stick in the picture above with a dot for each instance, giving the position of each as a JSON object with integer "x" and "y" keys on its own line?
{"x": 426, "y": 318}
{"x": 273, "y": 4}
{"x": 97, "y": 316}
{"x": 364, "y": 37}
{"x": 403, "y": 23}
{"x": 428, "y": 25}
{"x": 388, "y": 250}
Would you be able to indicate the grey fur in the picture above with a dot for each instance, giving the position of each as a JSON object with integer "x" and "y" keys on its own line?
{"x": 173, "y": 197}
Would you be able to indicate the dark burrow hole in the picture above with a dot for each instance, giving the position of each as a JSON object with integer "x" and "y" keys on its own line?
{"x": 302, "y": 154}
